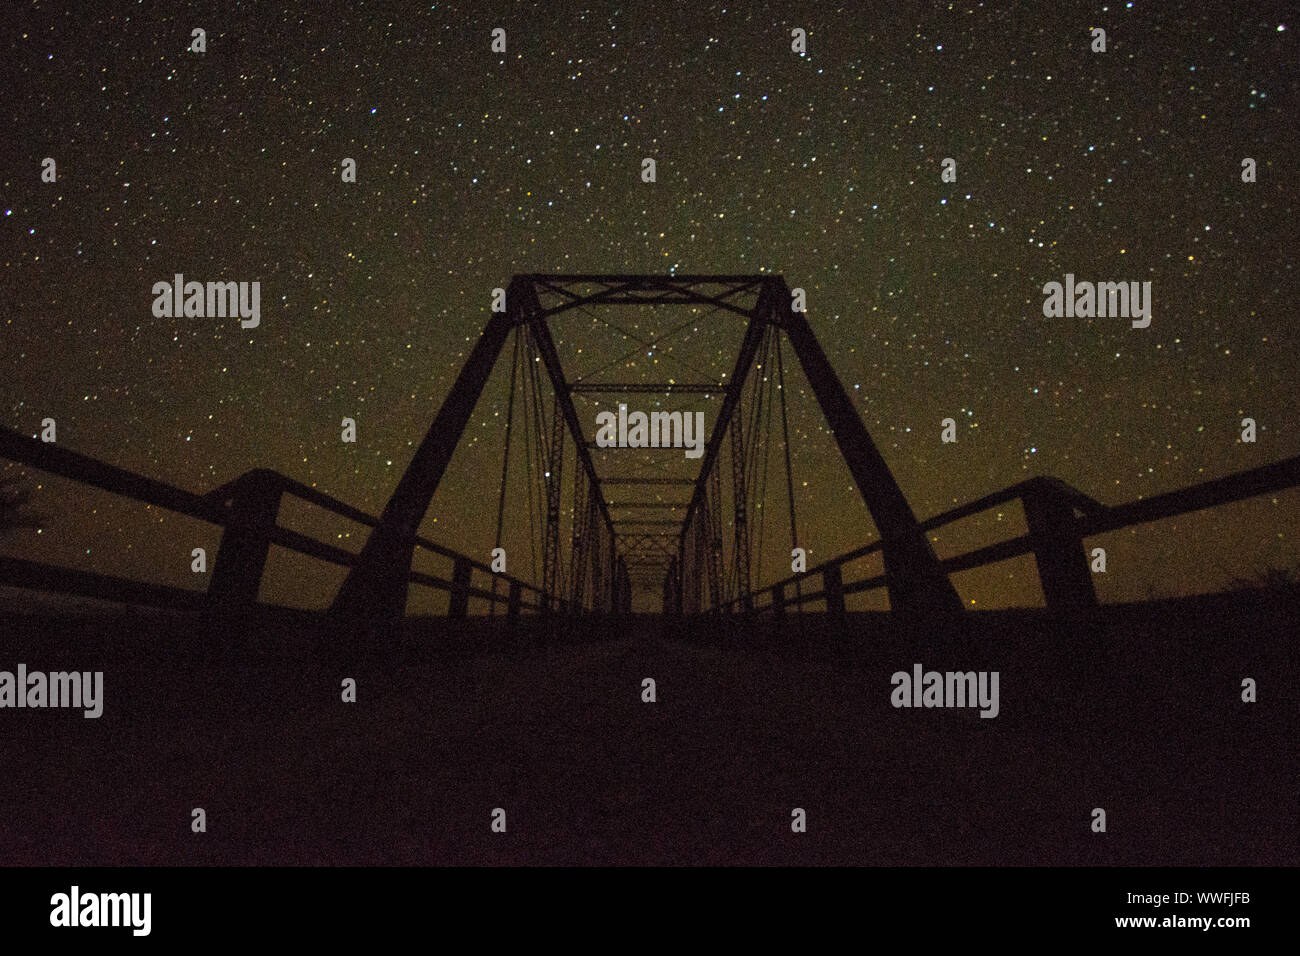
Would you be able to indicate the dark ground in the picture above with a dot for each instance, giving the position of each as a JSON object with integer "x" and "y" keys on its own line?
{"x": 1141, "y": 715}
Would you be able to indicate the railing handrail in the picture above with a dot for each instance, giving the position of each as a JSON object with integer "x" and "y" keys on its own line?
{"x": 85, "y": 470}
{"x": 1096, "y": 519}
{"x": 330, "y": 503}
{"x": 212, "y": 507}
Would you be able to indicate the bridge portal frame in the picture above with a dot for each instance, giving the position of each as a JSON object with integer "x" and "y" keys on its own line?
{"x": 375, "y": 589}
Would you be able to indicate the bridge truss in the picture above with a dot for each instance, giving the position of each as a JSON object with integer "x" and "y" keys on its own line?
{"x": 703, "y": 561}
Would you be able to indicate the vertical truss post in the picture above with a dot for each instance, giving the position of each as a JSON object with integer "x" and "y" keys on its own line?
{"x": 740, "y": 502}
{"x": 595, "y": 565}
{"x": 612, "y": 582}
{"x": 687, "y": 565}
{"x": 713, "y": 517}
{"x": 551, "y": 550}
{"x": 578, "y": 546}
{"x": 701, "y": 561}
{"x": 600, "y": 559}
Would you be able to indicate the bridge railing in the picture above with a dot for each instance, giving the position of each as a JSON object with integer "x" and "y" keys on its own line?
{"x": 247, "y": 509}
{"x": 1055, "y": 538}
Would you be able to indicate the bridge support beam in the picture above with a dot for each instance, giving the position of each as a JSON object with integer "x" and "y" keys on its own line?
{"x": 375, "y": 589}
{"x": 740, "y": 498}
{"x": 554, "y": 489}
{"x": 917, "y": 583}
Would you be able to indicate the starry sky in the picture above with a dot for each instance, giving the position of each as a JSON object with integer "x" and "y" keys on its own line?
{"x": 822, "y": 167}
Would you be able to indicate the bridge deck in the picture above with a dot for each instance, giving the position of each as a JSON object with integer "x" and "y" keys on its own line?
{"x": 1141, "y": 716}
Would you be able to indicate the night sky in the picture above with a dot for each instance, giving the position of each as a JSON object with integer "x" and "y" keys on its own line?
{"x": 824, "y": 167}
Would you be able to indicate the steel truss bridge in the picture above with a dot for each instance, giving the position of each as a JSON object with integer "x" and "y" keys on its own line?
{"x": 703, "y": 561}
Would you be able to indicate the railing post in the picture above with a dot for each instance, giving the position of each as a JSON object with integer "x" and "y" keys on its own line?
{"x": 513, "y": 607}
{"x": 834, "y": 585}
{"x": 460, "y": 573}
{"x": 1062, "y": 562}
{"x": 254, "y": 502}
{"x": 778, "y": 599}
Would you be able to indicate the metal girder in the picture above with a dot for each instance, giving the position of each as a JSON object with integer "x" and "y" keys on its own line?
{"x": 375, "y": 588}
{"x": 684, "y": 298}
{"x": 551, "y": 360}
{"x": 917, "y": 582}
{"x": 554, "y": 488}
{"x": 602, "y": 564}
{"x": 740, "y": 510}
{"x": 713, "y": 519}
{"x": 690, "y": 278}
{"x": 696, "y": 580}
{"x": 735, "y": 386}
{"x": 693, "y": 388}
{"x": 649, "y": 481}
{"x": 646, "y": 544}
{"x": 578, "y": 545}
{"x": 646, "y": 504}
{"x": 645, "y": 290}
